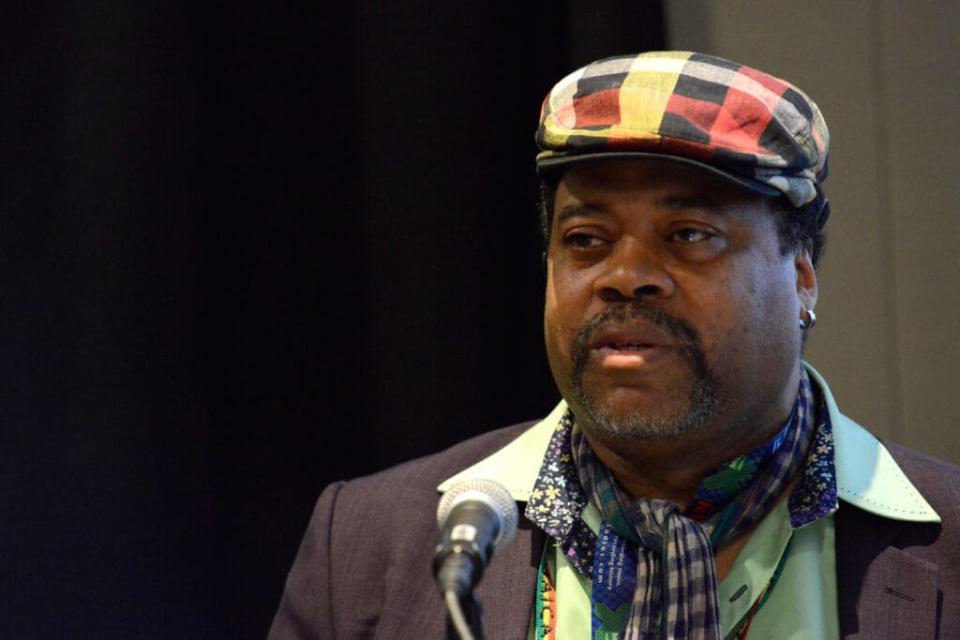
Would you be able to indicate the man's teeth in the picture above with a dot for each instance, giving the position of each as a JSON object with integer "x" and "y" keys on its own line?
{"x": 631, "y": 345}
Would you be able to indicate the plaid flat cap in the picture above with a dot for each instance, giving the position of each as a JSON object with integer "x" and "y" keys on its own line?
{"x": 746, "y": 125}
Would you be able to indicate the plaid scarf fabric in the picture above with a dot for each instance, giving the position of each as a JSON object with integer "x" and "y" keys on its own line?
{"x": 676, "y": 585}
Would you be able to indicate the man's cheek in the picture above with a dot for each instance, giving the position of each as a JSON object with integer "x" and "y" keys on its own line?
{"x": 559, "y": 355}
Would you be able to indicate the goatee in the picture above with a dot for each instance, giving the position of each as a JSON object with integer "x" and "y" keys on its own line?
{"x": 703, "y": 402}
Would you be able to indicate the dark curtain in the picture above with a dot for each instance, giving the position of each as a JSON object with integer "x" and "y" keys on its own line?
{"x": 247, "y": 249}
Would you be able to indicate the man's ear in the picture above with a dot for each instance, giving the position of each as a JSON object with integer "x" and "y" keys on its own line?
{"x": 806, "y": 279}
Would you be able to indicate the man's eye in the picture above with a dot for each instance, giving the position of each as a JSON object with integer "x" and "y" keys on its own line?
{"x": 583, "y": 241}
{"x": 690, "y": 235}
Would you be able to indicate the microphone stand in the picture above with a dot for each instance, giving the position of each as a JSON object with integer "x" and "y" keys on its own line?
{"x": 464, "y": 616}
{"x": 474, "y": 517}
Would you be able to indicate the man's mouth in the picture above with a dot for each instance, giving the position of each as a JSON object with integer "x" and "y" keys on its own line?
{"x": 629, "y": 356}
{"x": 629, "y": 346}
{"x": 629, "y": 339}
{"x": 634, "y": 335}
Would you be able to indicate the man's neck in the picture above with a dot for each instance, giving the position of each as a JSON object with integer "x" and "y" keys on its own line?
{"x": 672, "y": 468}
{"x": 656, "y": 471}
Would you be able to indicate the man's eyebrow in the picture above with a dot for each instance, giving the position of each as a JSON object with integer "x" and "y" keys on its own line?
{"x": 699, "y": 201}
{"x": 705, "y": 202}
{"x": 695, "y": 201}
{"x": 580, "y": 210}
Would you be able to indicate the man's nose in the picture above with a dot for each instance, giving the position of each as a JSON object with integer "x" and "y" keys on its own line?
{"x": 634, "y": 270}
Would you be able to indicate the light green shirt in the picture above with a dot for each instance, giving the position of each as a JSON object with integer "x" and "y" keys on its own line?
{"x": 804, "y": 603}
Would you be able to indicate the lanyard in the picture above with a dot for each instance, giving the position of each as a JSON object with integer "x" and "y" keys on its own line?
{"x": 546, "y": 599}
{"x": 608, "y": 622}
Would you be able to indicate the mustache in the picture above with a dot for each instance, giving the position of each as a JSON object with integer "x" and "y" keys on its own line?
{"x": 685, "y": 337}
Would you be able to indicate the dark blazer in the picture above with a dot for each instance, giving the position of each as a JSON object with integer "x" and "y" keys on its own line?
{"x": 363, "y": 569}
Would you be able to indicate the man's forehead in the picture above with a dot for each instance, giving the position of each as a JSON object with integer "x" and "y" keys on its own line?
{"x": 670, "y": 182}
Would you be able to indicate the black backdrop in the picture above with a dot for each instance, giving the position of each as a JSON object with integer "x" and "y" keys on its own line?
{"x": 248, "y": 249}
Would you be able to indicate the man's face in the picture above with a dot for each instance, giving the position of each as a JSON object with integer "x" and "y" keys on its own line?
{"x": 670, "y": 309}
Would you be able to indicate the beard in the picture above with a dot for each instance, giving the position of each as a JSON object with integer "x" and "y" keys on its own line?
{"x": 702, "y": 403}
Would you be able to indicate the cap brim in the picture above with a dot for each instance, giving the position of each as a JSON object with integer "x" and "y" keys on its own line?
{"x": 551, "y": 165}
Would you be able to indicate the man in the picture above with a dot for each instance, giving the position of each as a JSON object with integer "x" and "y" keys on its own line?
{"x": 698, "y": 480}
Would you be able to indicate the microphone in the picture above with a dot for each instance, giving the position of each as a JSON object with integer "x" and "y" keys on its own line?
{"x": 475, "y": 517}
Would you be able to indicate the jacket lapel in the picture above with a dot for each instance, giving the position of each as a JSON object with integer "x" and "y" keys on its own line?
{"x": 883, "y": 592}
{"x": 508, "y": 588}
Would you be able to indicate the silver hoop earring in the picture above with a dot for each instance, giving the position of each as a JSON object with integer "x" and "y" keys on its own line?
{"x": 808, "y": 320}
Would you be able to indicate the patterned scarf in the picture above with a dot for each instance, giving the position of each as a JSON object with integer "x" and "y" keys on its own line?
{"x": 675, "y": 591}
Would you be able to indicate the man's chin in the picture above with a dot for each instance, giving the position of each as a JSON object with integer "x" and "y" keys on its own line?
{"x": 615, "y": 418}
{"x": 635, "y": 428}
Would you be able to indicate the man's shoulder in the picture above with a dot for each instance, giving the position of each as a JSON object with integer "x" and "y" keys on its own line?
{"x": 878, "y": 556}
{"x": 938, "y": 482}
{"x": 353, "y": 516}
{"x": 922, "y": 463}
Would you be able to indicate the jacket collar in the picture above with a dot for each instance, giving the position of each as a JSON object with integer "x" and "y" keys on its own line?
{"x": 867, "y": 475}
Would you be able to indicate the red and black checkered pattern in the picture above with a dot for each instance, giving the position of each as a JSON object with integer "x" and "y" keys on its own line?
{"x": 759, "y": 130}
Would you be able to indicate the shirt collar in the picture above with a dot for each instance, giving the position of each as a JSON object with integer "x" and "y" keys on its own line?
{"x": 867, "y": 475}
{"x": 516, "y": 465}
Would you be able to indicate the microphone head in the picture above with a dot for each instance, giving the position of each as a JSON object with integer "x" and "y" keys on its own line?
{"x": 489, "y": 492}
